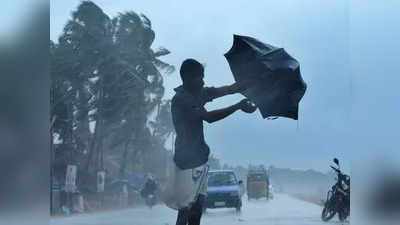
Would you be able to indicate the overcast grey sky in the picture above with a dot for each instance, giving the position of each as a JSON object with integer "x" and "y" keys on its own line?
{"x": 350, "y": 100}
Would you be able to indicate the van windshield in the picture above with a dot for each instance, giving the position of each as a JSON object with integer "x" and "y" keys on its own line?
{"x": 257, "y": 177}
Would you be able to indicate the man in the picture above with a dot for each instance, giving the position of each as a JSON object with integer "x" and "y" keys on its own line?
{"x": 191, "y": 150}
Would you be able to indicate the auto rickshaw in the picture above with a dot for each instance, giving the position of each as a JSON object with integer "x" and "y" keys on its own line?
{"x": 257, "y": 184}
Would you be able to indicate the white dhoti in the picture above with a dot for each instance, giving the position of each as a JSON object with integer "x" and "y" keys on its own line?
{"x": 184, "y": 186}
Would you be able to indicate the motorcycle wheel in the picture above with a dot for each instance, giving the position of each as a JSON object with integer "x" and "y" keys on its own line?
{"x": 327, "y": 213}
{"x": 150, "y": 202}
{"x": 342, "y": 216}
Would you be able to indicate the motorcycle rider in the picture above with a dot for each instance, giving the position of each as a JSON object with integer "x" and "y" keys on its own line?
{"x": 150, "y": 186}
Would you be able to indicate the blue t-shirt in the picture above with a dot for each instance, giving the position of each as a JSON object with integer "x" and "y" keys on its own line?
{"x": 187, "y": 110}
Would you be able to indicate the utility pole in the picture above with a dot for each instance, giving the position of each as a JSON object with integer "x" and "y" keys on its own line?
{"x": 51, "y": 169}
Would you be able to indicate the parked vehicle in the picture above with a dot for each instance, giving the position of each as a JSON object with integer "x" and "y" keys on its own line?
{"x": 223, "y": 190}
{"x": 338, "y": 198}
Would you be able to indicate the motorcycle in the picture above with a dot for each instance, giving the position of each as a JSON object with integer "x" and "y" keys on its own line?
{"x": 151, "y": 200}
{"x": 338, "y": 198}
{"x": 149, "y": 193}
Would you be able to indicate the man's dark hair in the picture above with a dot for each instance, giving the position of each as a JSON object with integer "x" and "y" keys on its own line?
{"x": 189, "y": 68}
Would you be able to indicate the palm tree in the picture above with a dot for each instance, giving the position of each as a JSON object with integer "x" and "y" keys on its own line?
{"x": 113, "y": 79}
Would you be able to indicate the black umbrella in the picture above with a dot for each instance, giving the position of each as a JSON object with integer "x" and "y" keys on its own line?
{"x": 279, "y": 86}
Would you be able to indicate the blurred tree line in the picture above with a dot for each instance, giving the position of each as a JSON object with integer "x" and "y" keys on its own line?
{"x": 107, "y": 111}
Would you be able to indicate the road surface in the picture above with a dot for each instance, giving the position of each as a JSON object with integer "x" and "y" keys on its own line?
{"x": 282, "y": 210}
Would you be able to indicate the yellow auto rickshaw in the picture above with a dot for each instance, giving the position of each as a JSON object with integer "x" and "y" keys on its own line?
{"x": 257, "y": 184}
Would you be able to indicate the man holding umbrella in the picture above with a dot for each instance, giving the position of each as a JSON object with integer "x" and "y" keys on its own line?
{"x": 266, "y": 74}
{"x": 191, "y": 150}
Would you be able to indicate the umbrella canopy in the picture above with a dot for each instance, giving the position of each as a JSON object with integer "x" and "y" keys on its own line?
{"x": 279, "y": 87}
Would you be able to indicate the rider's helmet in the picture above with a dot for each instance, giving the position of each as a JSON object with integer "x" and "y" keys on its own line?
{"x": 149, "y": 176}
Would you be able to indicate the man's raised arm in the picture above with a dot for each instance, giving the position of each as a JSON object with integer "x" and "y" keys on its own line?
{"x": 234, "y": 88}
{"x": 219, "y": 114}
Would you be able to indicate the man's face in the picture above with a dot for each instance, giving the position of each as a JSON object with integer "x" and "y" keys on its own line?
{"x": 197, "y": 82}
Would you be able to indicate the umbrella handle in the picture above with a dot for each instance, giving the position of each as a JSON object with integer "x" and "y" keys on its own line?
{"x": 249, "y": 106}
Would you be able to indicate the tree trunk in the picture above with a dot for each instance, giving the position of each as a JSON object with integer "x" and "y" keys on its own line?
{"x": 124, "y": 160}
{"x": 100, "y": 160}
{"x": 82, "y": 129}
{"x": 97, "y": 138}
{"x": 91, "y": 148}
{"x": 101, "y": 152}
